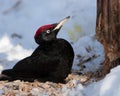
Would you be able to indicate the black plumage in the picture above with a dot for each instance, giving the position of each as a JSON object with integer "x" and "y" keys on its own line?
{"x": 51, "y": 61}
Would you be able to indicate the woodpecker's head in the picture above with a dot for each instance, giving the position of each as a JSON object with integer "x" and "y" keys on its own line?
{"x": 49, "y": 32}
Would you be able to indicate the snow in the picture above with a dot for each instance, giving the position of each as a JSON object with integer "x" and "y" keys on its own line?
{"x": 74, "y": 91}
{"x": 19, "y": 19}
{"x": 17, "y": 50}
{"x": 109, "y": 86}
{"x": 86, "y": 48}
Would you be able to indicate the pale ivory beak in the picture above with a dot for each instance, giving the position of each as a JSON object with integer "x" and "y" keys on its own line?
{"x": 61, "y": 23}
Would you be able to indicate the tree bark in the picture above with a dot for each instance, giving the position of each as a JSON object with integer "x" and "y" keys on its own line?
{"x": 108, "y": 32}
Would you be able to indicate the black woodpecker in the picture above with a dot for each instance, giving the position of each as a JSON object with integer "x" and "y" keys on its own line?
{"x": 51, "y": 61}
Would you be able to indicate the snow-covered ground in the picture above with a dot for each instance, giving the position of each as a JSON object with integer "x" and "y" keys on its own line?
{"x": 109, "y": 86}
{"x": 19, "y": 19}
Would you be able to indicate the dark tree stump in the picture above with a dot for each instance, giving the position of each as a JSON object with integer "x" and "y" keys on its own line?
{"x": 108, "y": 32}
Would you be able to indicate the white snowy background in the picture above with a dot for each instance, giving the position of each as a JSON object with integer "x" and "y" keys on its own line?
{"x": 19, "y": 19}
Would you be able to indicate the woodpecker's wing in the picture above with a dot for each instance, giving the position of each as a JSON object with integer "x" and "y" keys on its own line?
{"x": 33, "y": 67}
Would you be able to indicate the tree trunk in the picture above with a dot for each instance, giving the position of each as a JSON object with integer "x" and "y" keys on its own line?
{"x": 108, "y": 32}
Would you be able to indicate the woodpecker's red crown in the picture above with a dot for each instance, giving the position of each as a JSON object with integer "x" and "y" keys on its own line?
{"x": 49, "y": 32}
{"x": 43, "y": 28}
{"x": 56, "y": 26}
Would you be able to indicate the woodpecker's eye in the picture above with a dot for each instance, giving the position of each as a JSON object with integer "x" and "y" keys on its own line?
{"x": 47, "y": 31}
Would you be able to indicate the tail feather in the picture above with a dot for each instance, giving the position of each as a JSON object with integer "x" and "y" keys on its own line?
{"x": 4, "y": 77}
{"x": 12, "y": 75}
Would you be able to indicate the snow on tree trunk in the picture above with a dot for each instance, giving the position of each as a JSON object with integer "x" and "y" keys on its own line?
{"x": 108, "y": 32}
